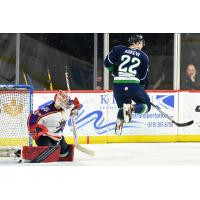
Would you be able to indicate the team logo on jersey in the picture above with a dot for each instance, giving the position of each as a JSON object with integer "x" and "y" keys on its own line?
{"x": 13, "y": 108}
{"x": 165, "y": 101}
{"x": 61, "y": 126}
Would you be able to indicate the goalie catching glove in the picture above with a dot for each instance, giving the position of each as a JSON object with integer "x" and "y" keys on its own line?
{"x": 77, "y": 105}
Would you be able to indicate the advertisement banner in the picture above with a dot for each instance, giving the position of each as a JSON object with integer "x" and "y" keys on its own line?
{"x": 189, "y": 109}
{"x": 98, "y": 113}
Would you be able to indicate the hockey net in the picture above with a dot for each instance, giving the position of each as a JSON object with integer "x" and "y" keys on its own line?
{"x": 15, "y": 107}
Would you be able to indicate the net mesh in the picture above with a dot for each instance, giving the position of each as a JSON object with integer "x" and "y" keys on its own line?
{"x": 14, "y": 111}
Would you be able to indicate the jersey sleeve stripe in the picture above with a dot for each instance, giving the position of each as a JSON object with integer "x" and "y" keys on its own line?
{"x": 110, "y": 61}
{"x": 144, "y": 76}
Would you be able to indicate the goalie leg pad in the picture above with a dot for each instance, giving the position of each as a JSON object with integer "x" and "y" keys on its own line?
{"x": 29, "y": 153}
{"x": 70, "y": 155}
{"x": 67, "y": 151}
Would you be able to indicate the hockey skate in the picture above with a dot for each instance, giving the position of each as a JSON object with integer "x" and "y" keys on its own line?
{"x": 17, "y": 155}
{"x": 127, "y": 111}
{"x": 118, "y": 127}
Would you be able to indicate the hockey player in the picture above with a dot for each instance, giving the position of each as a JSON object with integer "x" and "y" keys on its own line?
{"x": 129, "y": 66}
{"x": 46, "y": 125}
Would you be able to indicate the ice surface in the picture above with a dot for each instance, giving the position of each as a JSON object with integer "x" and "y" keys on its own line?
{"x": 130, "y": 154}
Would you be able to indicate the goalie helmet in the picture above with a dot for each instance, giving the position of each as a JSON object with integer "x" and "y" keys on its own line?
{"x": 62, "y": 99}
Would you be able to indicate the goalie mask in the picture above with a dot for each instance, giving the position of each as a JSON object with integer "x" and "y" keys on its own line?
{"x": 62, "y": 100}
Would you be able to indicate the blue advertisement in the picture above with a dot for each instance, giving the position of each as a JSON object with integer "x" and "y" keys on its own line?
{"x": 98, "y": 113}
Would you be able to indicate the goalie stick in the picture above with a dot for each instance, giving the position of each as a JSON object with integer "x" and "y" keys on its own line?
{"x": 170, "y": 119}
{"x": 77, "y": 145}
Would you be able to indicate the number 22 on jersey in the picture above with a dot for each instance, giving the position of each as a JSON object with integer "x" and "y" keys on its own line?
{"x": 134, "y": 63}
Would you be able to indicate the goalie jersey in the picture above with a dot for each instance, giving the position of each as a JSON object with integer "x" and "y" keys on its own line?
{"x": 51, "y": 119}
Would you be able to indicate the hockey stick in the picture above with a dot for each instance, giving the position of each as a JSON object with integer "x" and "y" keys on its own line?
{"x": 170, "y": 119}
{"x": 77, "y": 145}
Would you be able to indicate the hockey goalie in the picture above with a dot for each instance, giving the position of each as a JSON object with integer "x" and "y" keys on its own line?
{"x": 46, "y": 127}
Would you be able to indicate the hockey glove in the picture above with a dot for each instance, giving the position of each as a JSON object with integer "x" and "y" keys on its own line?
{"x": 76, "y": 103}
{"x": 37, "y": 131}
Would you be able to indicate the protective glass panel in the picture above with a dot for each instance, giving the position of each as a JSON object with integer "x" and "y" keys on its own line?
{"x": 43, "y": 58}
{"x": 7, "y": 58}
{"x": 190, "y": 59}
{"x": 159, "y": 48}
{"x": 100, "y": 65}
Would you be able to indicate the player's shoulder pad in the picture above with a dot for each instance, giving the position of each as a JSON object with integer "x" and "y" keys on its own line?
{"x": 47, "y": 108}
{"x": 119, "y": 47}
{"x": 144, "y": 54}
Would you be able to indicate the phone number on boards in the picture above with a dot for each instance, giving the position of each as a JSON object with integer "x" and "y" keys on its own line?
{"x": 159, "y": 124}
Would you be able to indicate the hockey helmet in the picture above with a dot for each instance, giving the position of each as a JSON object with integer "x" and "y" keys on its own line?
{"x": 134, "y": 38}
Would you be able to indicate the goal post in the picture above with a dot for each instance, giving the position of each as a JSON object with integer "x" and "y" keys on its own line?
{"x": 16, "y": 103}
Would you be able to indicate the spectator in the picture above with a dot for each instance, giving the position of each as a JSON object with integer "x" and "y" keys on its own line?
{"x": 191, "y": 80}
{"x": 99, "y": 83}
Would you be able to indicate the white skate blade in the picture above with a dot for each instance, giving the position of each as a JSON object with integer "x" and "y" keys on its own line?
{"x": 118, "y": 127}
{"x": 118, "y": 131}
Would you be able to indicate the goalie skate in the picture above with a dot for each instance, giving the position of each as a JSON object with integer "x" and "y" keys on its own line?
{"x": 127, "y": 111}
{"x": 118, "y": 127}
{"x": 17, "y": 155}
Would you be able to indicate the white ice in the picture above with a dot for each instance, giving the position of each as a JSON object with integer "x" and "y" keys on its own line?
{"x": 130, "y": 154}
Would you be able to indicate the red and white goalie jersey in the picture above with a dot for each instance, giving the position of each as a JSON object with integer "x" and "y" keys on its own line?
{"x": 51, "y": 120}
